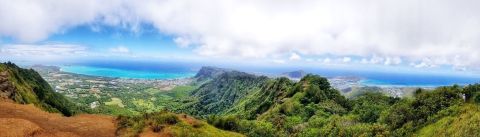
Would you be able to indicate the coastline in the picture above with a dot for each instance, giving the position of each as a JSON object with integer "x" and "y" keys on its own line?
{"x": 125, "y": 74}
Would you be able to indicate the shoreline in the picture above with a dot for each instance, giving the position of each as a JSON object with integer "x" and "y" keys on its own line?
{"x": 125, "y": 74}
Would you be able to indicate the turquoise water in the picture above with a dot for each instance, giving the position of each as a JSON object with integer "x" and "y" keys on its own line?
{"x": 124, "y": 73}
{"x": 173, "y": 70}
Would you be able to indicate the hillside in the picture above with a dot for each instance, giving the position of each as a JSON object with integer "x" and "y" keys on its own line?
{"x": 221, "y": 92}
{"x": 26, "y": 86}
{"x": 26, "y": 101}
{"x": 462, "y": 121}
{"x": 168, "y": 124}
{"x": 232, "y": 103}
{"x": 17, "y": 120}
{"x": 311, "y": 107}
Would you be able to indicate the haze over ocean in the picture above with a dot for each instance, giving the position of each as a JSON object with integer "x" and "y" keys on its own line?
{"x": 170, "y": 70}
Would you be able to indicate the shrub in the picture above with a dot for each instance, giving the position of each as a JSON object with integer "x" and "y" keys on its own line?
{"x": 164, "y": 118}
{"x": 197, "y": 124}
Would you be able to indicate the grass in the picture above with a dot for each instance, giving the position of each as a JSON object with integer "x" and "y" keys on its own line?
{"x": 464, "y": 124}
{"x": 115, "y": 101}
{"x": 145, "y": 105}
{"x": 185, "y": 130}
{"x": 180, "y": 91}
{"x": 168, "y": 123}
{"x": 152, "y": 91}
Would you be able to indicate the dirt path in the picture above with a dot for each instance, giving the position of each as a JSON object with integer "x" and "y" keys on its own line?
{"x": 27, "y": 120}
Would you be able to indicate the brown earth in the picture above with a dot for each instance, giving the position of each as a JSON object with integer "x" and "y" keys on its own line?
{"x": 17, "y": 120}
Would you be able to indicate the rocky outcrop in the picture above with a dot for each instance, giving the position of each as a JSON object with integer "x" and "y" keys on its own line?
{"x": 7, "y": 90}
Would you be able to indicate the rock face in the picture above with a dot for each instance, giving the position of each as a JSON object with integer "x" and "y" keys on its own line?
{"x": 208, "y": 72}
{"x": 7, "y": 90}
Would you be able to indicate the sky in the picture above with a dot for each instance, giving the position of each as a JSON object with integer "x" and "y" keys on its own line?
{"x": 404, "y": 35}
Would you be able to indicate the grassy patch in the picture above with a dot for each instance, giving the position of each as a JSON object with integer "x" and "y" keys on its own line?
{"x": 467, "y": 123}
{"x": 115, "y": 101}
{"x": 168, "y": 123}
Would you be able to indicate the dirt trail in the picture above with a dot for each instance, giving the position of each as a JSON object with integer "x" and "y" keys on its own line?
{"x": 18, "y": 120}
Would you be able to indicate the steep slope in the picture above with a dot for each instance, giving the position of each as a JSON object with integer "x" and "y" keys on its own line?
{"x": 311, "y": 107}
{"x": 26, "y": 86}
{"x": 262, "y": 99}
{"x": 464, "y": 122}
{"x": 168, "y": 124}
{"x": 19, "y": 87}
{"x": 17, "y": 120}
{"x": 220, "y": 93}
{"x": 282, "y": 97}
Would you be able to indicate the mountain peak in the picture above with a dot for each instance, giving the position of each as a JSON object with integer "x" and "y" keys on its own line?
{"x": 208, "y": 72}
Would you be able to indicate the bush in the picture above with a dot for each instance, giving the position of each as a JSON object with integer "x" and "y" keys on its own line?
{"x": 197, "y": 124}
{"x": 168, "y": 118}
{"x": 257, "y": 129}
{"x": 226, "y": 123}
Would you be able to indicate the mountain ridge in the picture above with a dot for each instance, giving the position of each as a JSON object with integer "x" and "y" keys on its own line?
{"x": 27, "y": 86}
{"x": 26, "y": 101}
{"x": 312, "y": 107}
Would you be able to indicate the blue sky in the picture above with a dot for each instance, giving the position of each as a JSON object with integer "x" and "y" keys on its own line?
{"x": 104, "y": 38}
{"x": 405, "y": 36}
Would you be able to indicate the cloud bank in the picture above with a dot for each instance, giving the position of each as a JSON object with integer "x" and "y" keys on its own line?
{"x": 120, "y": 49}
{"x": 419, "y": 33}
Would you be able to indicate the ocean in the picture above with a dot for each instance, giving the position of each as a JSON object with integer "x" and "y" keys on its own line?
{"x": 137, "y": 70}
{"x": 172, "y": 70}
{"x": 416, "y": 80}
{"x": 404, "y": 79}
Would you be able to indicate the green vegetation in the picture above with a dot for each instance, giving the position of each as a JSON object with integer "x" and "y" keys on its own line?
{"x": 115, "y": 102}
{"x": 217, "y": 95}
{"x": 30, "y": 88}
{"x": 310, "y": 107}
{"x": 144, "y": 100}
{"x": 456, "y": 121}
{"x": 261, "y": 107}
{"x": 168, "y": 124}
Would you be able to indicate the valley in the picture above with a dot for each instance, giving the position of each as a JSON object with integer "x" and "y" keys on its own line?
{"x": 30, "y": 107}
{"x": 122, "y": 96}
{"x": 116, "y": 96}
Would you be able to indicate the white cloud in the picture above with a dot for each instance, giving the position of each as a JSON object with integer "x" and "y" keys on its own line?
{"x": 442, "y": 30}
{"x": 182, "y": 42}
{"x": 364, "y": 61}
{"x": 392, "y": 61}
{"x": 42, "y": 50}
{"x": 295, "y": 56}
{"x": 346, "y": 59}
{"x": 279, "y": 61}
{"x": 120, "y": 49}
{"x": 30, "y": 21}
{"x": 327, "y": 60}
{"x": 425, "y": 63}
